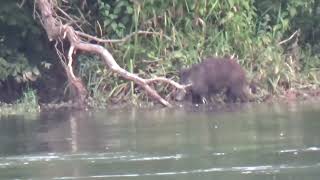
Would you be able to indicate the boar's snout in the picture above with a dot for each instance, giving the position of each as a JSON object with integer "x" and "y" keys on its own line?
{"x": 180, "y": 94}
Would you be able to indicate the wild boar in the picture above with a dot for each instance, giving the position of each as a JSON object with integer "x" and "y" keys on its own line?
{"x": 212, "y": 76}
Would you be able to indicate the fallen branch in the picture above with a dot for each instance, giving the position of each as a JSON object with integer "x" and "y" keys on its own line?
{"x": 57, "y": 31}
{"x": 168, "y": 81}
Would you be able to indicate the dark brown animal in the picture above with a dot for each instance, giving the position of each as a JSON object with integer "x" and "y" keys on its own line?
{"x": 212, "y": 76}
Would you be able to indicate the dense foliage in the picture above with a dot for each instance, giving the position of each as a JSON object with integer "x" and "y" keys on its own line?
{"x": 24, "y": 50}
{"x": 187, "y": 31}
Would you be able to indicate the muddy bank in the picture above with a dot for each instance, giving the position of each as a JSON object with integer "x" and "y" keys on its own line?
{"x": 291, "y": 96}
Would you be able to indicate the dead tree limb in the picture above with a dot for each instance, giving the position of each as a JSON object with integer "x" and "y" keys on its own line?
{"x": 57, "y": 31}
{"x": 126, "y": 38}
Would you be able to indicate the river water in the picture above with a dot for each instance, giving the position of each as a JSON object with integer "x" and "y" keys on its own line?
{"x": 254, "y": 142}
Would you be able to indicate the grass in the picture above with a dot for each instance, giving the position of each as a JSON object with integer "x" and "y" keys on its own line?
{"x": 27, "y": 104}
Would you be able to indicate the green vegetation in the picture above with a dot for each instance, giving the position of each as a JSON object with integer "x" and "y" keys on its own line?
{"x": 21, "y": 48}
{"x": 27, "y": 104}
{"x": 187, "y": 31}
{"x": 25, "y": 57}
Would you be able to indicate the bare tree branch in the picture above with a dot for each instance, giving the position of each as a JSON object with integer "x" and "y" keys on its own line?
{"x": 292, "y": 36}
{"x": 126, "y": 38}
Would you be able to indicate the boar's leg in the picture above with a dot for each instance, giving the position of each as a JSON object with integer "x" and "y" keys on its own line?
{"x": 200, "y": 92}
{"x": 236, "y": 91}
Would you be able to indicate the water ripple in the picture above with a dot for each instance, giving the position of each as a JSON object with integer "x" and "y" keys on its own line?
{"x": 267, "y": 169}
{"x": 309, "y": 149}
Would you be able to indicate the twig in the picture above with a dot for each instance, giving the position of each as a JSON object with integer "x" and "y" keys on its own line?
{"x": 71, "y": 49}
{"x": 286, "y": 40}
{"x": 21, "y": 4}
{"x": 73, "y": 21}
{"x": 100, "y": 29}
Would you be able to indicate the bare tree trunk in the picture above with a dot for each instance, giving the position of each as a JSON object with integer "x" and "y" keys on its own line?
{"x": 55, "y": 31}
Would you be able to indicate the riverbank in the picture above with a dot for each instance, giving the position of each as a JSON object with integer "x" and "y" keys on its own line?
{"x": 28, "y": 103}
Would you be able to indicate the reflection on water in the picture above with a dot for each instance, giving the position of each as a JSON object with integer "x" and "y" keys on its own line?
{"x": 260, "y": 142}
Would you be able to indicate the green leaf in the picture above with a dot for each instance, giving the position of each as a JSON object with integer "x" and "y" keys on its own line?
{"x": 114, "y": 25}
{"x": 129, "y": 10}
{"x": 292, "y": 11}
{"x": 231, "y": 3}
{"x": 106, "y": 22}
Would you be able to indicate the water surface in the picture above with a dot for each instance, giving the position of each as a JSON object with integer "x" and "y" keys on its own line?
{"x": 278, "y": 142}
